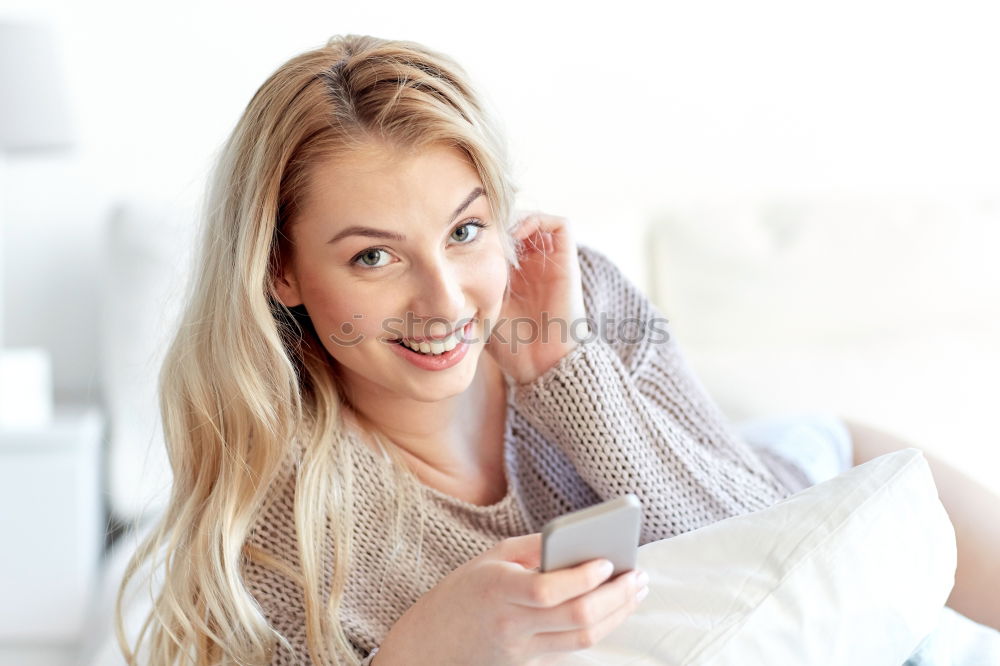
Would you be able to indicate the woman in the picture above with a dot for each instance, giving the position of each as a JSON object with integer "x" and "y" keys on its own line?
{"x": 385, "y": 383}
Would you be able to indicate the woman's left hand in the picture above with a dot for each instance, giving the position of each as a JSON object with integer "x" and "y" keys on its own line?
{"x": 543, "y": 312}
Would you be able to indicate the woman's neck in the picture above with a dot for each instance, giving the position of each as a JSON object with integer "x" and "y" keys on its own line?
{"x": 454, "y": 442}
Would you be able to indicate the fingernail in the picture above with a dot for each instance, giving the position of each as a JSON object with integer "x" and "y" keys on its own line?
{"x": 642, "y": 579}
{"x": 641, "y": 594}
{"x": 607, "y": 566}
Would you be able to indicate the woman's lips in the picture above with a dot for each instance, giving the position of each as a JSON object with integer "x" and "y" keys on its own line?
{"x": 465, "y": 329}
{"x": 435, "y": 362}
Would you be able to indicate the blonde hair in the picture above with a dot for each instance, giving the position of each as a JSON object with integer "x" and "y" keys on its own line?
{"x": 246, "y": 384}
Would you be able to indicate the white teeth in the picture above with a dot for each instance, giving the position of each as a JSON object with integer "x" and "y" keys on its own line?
{"x": 436, "y": 347}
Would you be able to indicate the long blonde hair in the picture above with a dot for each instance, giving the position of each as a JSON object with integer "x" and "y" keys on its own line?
{"x": 245, "y": 378}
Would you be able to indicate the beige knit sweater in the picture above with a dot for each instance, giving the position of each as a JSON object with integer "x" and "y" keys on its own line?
{"x": 621, "y": 413}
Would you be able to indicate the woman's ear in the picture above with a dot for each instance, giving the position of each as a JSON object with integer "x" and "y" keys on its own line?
{"x": 286, "y": 289}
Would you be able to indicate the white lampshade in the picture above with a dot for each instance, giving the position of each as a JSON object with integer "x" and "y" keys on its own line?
{"x": 34, "y": 103}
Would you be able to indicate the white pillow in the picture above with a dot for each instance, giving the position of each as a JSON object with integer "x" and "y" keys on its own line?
{"x": 854, "y": 570}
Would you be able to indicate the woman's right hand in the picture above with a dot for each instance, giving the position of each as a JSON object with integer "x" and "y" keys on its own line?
{"x": 497, "y": 610}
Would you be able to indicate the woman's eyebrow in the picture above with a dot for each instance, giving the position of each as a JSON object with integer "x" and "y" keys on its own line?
{"x": 371, "y": 232}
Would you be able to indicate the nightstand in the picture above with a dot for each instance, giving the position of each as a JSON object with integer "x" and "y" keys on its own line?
{"x": 52, "y": 522}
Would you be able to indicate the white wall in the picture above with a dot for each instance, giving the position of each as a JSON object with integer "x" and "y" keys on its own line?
{"x": 614, "y": 112}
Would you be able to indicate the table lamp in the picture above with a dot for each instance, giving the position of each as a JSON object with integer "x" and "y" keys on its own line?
{"x": 34, "y": 118}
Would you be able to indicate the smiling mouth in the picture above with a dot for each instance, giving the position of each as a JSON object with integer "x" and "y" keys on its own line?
{"x": 436, "y": 347}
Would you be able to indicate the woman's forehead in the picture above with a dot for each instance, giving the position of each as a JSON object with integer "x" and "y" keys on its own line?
{"x": 377, "y": 182}
{"x": 382, "y": 157}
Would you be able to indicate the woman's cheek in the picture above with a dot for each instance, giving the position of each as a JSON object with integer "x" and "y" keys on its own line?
{"x": 491, "y": 276}
{"x": 341, "y": 332}
{"x": 340, "y": 324}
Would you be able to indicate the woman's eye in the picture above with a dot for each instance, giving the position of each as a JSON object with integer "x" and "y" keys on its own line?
{"x": 370, "y": 258}
{"x": 465, "y": 234}
{"x": 470, "y": 230}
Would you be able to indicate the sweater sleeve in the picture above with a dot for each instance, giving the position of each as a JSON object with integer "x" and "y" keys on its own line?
{"x": 628, "y": 412}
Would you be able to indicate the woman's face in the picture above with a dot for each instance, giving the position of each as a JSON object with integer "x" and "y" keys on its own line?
{"x": 387, "y": 246}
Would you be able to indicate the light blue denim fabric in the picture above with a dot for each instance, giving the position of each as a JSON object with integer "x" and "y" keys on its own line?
{"x": 817, "y": 442}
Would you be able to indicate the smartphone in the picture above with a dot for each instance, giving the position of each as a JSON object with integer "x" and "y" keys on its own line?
{"x": 607, "y": 530}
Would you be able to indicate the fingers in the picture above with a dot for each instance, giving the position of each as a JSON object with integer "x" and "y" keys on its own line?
{"x": 541, "y": 223}
{"x": 541, "y": 231}
{"x": 531, "y": 239}
{"x": 538, "y": 221}
{"x": 539, "y": 246}
{"x": 582, "y": 623}
{"x": 590, "y": 608}
{"x": 524, "y": 550}
{"x": 545, "y": 590}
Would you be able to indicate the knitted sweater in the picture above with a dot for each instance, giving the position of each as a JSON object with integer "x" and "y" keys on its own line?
{"x": 621, "y": 413}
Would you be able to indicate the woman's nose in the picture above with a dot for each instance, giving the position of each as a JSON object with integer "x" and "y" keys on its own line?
{"x": 438, "y": 295}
